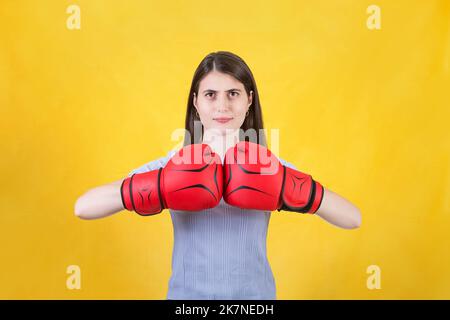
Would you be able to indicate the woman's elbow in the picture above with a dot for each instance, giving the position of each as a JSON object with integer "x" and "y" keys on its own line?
{"x": 79, "y": 209}
{"x": 355, "y": 221}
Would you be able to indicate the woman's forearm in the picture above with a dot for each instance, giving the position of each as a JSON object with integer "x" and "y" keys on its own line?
{"x": 339, "y": 211}
{"x": 99, "y": 202}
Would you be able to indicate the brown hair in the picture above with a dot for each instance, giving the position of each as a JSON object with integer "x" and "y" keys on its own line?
{"x": 231, "y": 64}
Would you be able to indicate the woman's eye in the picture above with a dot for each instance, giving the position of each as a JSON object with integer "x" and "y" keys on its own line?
{"x": 232, "y": 92}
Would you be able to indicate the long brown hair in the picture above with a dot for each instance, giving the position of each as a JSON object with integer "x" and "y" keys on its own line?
{"x": 231, "y": 64}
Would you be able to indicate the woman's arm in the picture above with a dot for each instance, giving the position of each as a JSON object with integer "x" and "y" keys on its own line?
{"x": 100, "y": 202}
{"x": 339, "y": 211}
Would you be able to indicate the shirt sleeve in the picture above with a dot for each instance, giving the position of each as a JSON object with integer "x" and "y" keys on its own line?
{"x": 287, "y": 164}
{"x": 153, "y": 165}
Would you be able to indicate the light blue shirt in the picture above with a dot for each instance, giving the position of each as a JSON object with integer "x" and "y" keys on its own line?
{"x": 218, "y": 253}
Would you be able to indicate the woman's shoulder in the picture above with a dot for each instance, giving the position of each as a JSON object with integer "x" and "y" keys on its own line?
{"x": 287, "y": 164}
{"x": 154, "y": 164}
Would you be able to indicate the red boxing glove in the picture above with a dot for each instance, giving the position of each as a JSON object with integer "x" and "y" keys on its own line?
{"x": 192, "y": 180}
{"x": 255, "y": 179}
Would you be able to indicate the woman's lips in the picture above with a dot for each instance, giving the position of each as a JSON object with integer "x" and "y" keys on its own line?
{"x": 223, "y": 120}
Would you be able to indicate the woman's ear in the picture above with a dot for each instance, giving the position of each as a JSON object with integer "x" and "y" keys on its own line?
{"x": 251, "y": 98}
{"x": 194, "y": 100}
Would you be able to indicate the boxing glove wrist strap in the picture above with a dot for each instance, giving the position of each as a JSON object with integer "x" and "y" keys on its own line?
{"x": 303, "y": 194}
{"x": 142, "y": 193}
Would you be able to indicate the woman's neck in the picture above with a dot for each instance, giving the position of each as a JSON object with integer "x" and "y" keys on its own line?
{"x": 220, "y": 140}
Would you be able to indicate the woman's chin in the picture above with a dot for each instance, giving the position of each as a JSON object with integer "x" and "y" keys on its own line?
{"x": 222, "y": 131}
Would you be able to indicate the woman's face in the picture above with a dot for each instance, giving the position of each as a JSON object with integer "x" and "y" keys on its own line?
{"x": 222, "y": 102}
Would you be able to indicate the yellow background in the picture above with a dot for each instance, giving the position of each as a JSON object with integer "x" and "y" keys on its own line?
{"x": 366, "y": 112}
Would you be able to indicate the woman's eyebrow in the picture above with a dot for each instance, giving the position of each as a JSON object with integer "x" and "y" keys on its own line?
{"x": 211, "y": 90}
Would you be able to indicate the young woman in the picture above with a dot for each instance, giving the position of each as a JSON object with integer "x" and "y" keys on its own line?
{"x": 219, "y": 253}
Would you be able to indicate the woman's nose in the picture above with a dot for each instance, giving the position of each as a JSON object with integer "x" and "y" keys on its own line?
{"x": 223, "y": 104}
